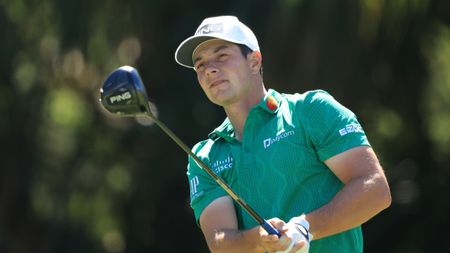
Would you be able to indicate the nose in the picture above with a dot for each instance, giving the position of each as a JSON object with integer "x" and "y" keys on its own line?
{"x": 211, "y": 68}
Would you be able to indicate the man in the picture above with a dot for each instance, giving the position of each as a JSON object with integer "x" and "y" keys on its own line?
{"x": 300, "y": 156}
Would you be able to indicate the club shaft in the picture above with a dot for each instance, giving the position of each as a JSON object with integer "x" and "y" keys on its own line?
{"x": 216, "y": 178}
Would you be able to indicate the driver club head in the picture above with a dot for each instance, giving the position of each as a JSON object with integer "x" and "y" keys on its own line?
{"x": 123, "y": 93}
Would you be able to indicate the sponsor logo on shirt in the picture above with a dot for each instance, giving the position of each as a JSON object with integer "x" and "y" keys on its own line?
{"x": 269, "y": 141}
{"x": 352, "y": 128}
{"x": 223, "y": 164}
{"x": 193, "y": 183}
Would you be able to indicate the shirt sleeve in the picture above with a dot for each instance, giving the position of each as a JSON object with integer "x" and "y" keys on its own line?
{"x": 203, "y": 188}
{"x": 331, "y": 127}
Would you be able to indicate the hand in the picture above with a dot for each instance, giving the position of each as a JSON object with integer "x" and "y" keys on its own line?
{"x": 299, "y": 236}
{"x": 271, "y": 242}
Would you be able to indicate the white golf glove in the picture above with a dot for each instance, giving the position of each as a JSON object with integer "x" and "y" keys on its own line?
{"x": 298, "y": 230}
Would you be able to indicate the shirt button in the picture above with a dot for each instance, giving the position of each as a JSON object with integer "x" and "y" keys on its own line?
{"x": 246, "y": 149}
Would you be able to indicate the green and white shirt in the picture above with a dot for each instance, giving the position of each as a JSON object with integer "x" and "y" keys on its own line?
{"x": 278, "y": 168}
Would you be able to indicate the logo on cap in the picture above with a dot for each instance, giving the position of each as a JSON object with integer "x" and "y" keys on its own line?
{"x": 210, "y": 28}
{"x": 271, "y": 103}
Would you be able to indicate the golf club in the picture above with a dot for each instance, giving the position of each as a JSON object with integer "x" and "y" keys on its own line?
{"x": 123, "y": 93}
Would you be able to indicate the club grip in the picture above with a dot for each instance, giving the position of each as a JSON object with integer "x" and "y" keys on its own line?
{"x": 270, "y": 229}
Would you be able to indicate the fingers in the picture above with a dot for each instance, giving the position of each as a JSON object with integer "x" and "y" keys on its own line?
{"x": 298, "y": 246}
{"x": 280, "y": 225}
{"x": 271, "y": 242}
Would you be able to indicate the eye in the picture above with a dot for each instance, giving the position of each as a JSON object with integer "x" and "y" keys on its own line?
{"x": 199, "y": 67}
{"x": 222, "y": 57}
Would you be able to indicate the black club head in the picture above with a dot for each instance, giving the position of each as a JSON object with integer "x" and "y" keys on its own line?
{"x": 123, "y": 93}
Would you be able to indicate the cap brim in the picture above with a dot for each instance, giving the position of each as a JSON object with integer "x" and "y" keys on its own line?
{"x": 183, "y": 55}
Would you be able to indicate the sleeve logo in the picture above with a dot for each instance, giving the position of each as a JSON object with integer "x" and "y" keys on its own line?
{"x": 352, "y": 128}
{"x": 193, "y": 184}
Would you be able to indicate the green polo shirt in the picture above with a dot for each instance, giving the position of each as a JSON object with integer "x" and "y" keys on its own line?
{"x": 278, "y": 168}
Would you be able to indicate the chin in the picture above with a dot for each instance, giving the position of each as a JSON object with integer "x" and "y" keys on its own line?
{"x": 222, "y": 97}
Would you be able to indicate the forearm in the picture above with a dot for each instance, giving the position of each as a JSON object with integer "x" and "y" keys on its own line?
{"x": 357, "y": 202}
{"x": 236, "y": 241}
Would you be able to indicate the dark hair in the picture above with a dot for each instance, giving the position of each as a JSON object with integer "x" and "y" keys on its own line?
{"x": 245, "y": 50}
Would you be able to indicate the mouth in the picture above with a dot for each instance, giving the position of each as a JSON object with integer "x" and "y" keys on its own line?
{"x": 216, "y": 83}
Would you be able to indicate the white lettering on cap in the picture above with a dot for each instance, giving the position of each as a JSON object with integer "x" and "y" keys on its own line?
{"x": 210, "y": 28}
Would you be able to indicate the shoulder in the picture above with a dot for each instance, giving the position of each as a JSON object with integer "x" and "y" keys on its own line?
{"x": 203, "y": 148}
{"x": 208, "y": 149}
{"x": 312, "y": 96}
{"x": 310, "y": 100}
{"x": 318, "y": 107}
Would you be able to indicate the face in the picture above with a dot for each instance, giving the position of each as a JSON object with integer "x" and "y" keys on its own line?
{"x": 225, "y": 75}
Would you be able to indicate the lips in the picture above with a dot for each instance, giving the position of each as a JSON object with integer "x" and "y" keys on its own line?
{"x": 216, "y": 83}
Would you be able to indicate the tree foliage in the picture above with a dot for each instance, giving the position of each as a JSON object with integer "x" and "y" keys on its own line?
{"x": 76, "y": 179}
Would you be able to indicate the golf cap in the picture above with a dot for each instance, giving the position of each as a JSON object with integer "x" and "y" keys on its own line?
{"x": 227, "y": 28}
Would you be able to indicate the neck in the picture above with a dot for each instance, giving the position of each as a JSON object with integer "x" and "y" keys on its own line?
{"x": 238, "y": 112}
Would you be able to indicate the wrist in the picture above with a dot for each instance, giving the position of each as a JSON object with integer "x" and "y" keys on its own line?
{"x": 303, "y": 226}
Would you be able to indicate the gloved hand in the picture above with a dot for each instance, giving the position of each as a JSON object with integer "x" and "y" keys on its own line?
{"x": 298, "y": 230}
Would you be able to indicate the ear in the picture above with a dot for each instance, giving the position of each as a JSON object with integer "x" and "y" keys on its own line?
{"x": 255, "y": 59}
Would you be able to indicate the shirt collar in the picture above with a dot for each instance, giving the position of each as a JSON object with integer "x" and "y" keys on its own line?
{"x": 270, "y": 103}
{"x": 225, "y": 130}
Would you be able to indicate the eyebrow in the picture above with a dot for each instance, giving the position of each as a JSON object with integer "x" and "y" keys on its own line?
{"x": 217, "y": 49}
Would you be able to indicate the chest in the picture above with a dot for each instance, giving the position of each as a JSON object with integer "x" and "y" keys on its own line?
{"x": 274, "y": 151}
{"x": 274, "y": 144}
{"x": 272, "y": 167}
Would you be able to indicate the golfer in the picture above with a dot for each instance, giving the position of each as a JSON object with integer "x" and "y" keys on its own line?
{"x": 302, "y": 161}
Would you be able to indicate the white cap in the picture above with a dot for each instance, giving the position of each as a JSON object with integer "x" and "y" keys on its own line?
{"x": 227, "y": 28}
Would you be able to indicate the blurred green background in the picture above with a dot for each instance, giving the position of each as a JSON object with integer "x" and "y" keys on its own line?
{"x": 76, "y": 179}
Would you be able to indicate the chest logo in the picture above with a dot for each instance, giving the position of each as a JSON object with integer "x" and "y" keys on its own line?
{"x": 269, "y": 141}
{"x": 224, "y": 164}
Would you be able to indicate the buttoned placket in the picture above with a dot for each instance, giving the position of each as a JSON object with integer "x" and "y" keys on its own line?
{"x": 248, "y": 156}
